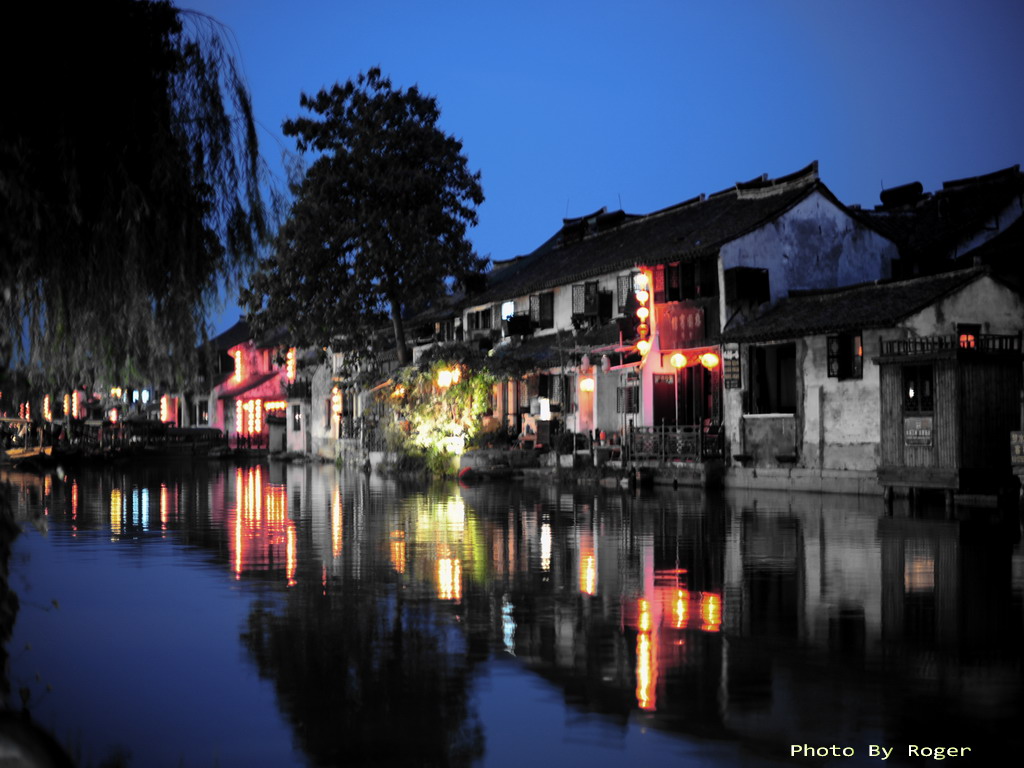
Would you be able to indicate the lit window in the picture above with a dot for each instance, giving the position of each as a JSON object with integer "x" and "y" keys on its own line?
{"x": 967, "y": 335}
{"x": 918, "y": 392}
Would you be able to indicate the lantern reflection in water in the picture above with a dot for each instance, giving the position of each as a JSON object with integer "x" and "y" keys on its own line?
{"x": 588, "y": 562}
{"x": 336, "y": 522}
{"x": 398, "y": 551}
{"x": 646, "y": 659}
{"x": 681, "y": 609}
{"x": 545, "y": 547}
{"x": 262, "y": 527}
{"x": 449, "y": 578}
{"x": 115, "y": 510}
{"x": 710, "y": 612}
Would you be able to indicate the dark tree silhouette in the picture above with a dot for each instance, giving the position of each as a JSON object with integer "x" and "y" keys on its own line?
{"x": 379, "y": 221}
{"x": 131, "y": 188}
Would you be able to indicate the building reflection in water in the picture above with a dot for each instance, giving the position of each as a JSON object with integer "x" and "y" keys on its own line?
{"x": 746, "y": 617}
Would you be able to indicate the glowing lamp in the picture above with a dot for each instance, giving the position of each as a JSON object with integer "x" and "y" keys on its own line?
{"x": 643, "y": 329}
{"x": 678, "y": 360}
{"x": 643, "y": 346}
{"x": 643, "y": 313}
{"x": 587, "y": 384}
{"x": 47, "y": 411}
{"x": 640, "y": 281}
{"x": 444, "y": 378}
{"x": 710, "y": 360}
{"x": 290, "y": 364}
{"x": 642, "y": 296}
{"x": 113, "y": 415}
{"x": 336, "y": 405}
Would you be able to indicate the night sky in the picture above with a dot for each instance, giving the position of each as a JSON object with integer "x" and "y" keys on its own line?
{"x": 566, "y": 107}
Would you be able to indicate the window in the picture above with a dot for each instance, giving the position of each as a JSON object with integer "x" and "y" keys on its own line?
{"x": 479, "y": 320}
{"x": 846, "y": 356}
{"x": 542, "y": 310}
{"x": 967, "y": 335}
{"x": 584, "y": 299}
{"x": 624, "y": 293}
{"x": 627, "y": 398}
{"x": 296, "y": 418}
{"x": 508, "y": 309}
{"x": 773, "y": 378}
{"x": 747, "y": 285}
{"x": 686, "y": 280}
{"x": 918, "y": 389}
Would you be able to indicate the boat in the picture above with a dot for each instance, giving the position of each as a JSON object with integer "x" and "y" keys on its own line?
{"x": 38, "y": 454}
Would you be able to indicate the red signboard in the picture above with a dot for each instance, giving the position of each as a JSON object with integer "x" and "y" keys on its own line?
{"x": 680, "y": 325}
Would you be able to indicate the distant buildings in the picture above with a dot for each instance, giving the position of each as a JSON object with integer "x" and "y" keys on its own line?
{"x": 766, "y": 334}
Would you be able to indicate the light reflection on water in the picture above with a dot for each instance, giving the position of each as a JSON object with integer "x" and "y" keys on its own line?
{"x": 273, "y": 614}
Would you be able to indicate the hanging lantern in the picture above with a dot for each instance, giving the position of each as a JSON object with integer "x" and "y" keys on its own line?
{"x": 678, "y": 360}
{"x": 643, "y": 330}
{"x": 290, "y": 364}
{"x": 587, "y": 384}
{"x": 710, "y": 360}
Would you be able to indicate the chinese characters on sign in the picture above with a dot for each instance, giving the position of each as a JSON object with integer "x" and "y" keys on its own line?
{"x": 917, "y": 430}
{"x": 731, "y": 376}
{"x": 680, "y": 325}
{"x": 1017, "y": 449}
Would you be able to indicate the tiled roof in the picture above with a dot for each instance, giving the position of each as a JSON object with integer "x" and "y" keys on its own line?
{"x": 249, "y": 383}
{"x": 236, "y": 334}
{"x": 870, "y": 305}
{"x": 931, "y": 225}
{"x": 619, "y": 241}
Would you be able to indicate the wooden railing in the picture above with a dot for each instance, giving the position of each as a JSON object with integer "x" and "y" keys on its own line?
{"x": 927, "y": 345}
{"x": 672, "y": 443}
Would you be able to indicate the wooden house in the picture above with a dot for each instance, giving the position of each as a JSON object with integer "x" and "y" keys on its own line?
{"x": 948, "y": 405}
{"x": 905, "y": 383}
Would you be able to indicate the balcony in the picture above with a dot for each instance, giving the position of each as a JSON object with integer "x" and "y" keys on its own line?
{"x": 970, "y": 343}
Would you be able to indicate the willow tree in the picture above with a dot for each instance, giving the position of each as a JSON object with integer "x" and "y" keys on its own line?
{"x": 131, "y": 189}
{"x": 377, "y": 229}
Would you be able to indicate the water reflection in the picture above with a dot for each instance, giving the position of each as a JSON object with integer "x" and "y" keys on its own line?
{"x": 754, "y": 620}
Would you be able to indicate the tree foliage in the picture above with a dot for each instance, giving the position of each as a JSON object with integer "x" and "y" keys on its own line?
{"x": 131, "y": 188}
{"x": 435, "y": 420}
{"x": 379, "y": 220}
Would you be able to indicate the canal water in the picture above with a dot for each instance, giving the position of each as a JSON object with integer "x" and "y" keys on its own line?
{"x": 201, "y": 614}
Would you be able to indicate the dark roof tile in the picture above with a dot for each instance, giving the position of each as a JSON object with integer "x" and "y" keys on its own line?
{"x": 870, "y": 305}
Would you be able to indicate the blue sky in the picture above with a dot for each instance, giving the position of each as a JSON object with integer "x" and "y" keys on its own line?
{"x": 565, "y": 107}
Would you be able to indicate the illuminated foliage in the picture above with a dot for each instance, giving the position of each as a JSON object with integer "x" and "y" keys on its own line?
{"x": 438, "y": 421}
{"x": 131, "y": 189}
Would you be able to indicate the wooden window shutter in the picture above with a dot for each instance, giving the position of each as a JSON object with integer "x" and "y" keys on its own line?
{"x": 577, "y": 299}
{"x": 624, "y": 289}
{"x": 659, "y": 284}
